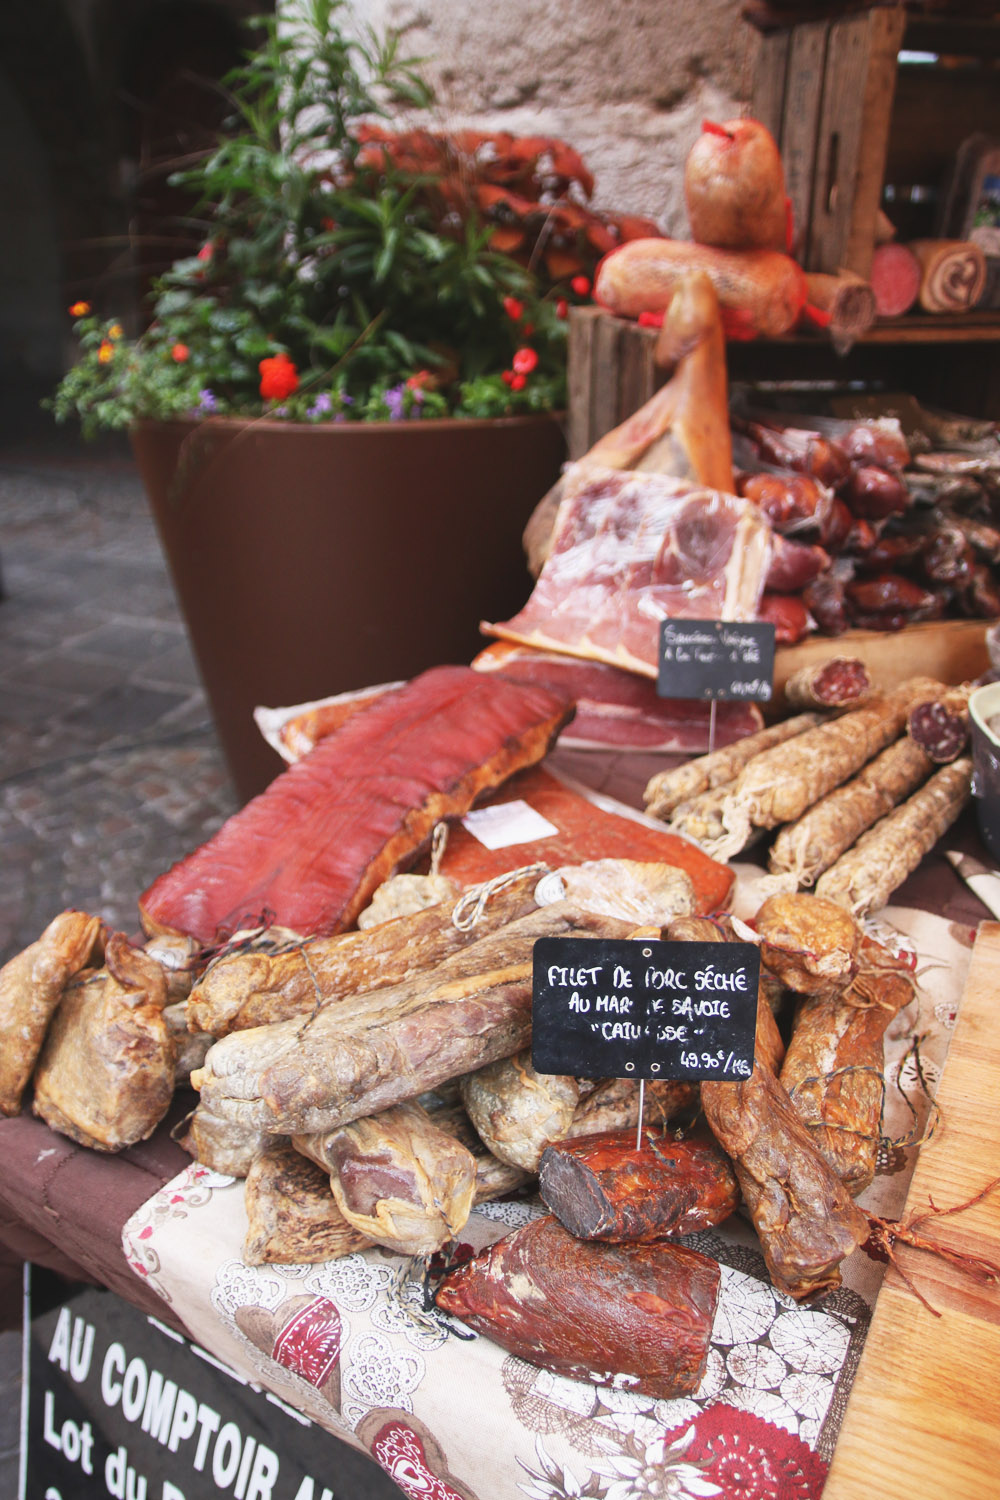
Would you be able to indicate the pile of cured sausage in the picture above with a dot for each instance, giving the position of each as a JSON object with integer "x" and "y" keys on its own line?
{"x": 360, "y": 1044}
{"x": 851, "y": 801}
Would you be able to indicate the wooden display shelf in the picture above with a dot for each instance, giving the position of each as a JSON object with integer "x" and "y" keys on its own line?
{"x": 951, "y": 651}
{"x": 923, "y": 1417}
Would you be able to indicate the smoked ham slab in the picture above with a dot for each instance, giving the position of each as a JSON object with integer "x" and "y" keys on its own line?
{"x": 630, "y": 550}
{"x": 310, "y": 850}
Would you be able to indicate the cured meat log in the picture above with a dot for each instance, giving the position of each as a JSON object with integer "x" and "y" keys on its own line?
{"x": 835, "y": 1059}
{"x": 312, "y": 848}
{"x": 399, "y": 1180}
{"x": 617, "y": 709}
{"x": 517, "y": 1111}
{"x": 865, "y": 877}
{"x": 614, "y": 1105}
{"x": 380, "y": 1049}
{"x": 802, "y": 1213}
{"x": 631, "y": 550}
{"x": 256, "y": 988}
{"x": 841, "y": 682}
{"x": 31, "y": 987}
{"x": 602, "y": 1188}
{"x": 941, "y": 726}
{"x": 811, "y": 945}
{"x": 633, "y": 1316}
{"x": 804, "y": 849}
{"x": 291, "y": 1216}
{"x": 804, "y": 1217}
{"x": 407, "y": 1178}
{"x": 895, "y": 279}
{"x": 668, "y": 789}
{"x": 105, "y": 1076}
{"x": 778, "y": 785}
{"x": 952, "y": 274}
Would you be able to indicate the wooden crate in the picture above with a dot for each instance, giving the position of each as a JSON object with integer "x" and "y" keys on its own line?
{"x": 825, "y": 91}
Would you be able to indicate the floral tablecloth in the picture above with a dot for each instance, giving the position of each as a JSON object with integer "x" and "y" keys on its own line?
{"x": 353, "y": 1345}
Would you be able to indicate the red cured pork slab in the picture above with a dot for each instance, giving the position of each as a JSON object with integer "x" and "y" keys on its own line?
{"x": 632, "y": 549}
{"x": 310, "y": 849}
{"x": 619, "y": 708}
{"x": 585, "y": 829}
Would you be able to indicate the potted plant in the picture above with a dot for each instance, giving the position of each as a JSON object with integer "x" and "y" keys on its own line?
{"x": 345, "y": 405}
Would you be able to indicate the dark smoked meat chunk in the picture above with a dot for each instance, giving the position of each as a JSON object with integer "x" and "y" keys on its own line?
{"x": 601, "y": 1188}
{"x": 638, "y": 1317}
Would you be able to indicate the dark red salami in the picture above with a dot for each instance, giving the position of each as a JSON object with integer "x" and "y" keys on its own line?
{"x": 941, "y": 726}
{"x": 602, "y": 1188}
{"x": 638, "y": 1317}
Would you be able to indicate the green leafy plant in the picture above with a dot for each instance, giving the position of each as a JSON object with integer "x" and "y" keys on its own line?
{"x": 327, "y": 287}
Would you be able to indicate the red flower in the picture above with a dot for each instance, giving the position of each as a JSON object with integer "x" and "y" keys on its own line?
{"x": 562, "y": 308}
{"x": 580, "y": 285}
{"x": 278, "y": 377}
{"x": 513, "y": 308}
{"x": 419, "y": 380}
{"x": 180, "y": 352}
{"x": 518, "y": 382}
{"x": 507, "y": 376}
{"x": 207, "y": 251}
{"x": 524, "y": 361}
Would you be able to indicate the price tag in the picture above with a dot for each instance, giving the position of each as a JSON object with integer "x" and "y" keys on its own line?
{"x": 625, "y": 1008}
{"x": 716, "y": 659}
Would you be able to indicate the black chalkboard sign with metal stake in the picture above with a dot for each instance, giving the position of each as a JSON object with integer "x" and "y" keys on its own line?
{"x": 622, "y": 1008}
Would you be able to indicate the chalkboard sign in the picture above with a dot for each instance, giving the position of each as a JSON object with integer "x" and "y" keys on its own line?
{"x": 716, "y": 659}
{"x": 607, "y": 1008}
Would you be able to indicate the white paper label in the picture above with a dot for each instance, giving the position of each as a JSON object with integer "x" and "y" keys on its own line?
{"x": 507, "y": 823}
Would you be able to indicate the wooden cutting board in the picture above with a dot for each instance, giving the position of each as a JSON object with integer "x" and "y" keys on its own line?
{"x": 923, "y": 1418}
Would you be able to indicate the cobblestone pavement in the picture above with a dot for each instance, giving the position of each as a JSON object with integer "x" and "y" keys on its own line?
{"x": 109, "y": 767}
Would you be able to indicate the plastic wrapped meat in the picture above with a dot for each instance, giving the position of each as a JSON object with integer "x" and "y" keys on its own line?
{"x": 631, "y": 550}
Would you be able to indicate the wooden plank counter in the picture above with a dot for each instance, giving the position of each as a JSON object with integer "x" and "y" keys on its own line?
{"x": 923, "y": 1418}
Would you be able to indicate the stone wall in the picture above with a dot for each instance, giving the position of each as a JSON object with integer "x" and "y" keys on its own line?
{"x": 626, "y": 83}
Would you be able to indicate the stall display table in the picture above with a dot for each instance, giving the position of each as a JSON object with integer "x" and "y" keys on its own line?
{"x": 66, "y": 1207}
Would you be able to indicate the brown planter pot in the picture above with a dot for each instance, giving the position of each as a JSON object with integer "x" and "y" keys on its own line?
{"x": 311, "y": 560}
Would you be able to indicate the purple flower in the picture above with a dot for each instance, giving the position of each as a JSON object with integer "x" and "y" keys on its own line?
{"x": 207, "y": 401}
{"x": 394, "y": 399}
{"x": 345, "y": 399}
{"x": 320, "y": 406}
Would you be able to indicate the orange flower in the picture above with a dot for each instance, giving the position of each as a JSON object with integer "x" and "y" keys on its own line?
{"x": 179, "y": 353}
{"x": 278, "y": 377}
{"x": 419, "y": 381}
{"x": 106, "y": 351}
{"x": 115, "y": 331}
{"x": 80, "y": 309}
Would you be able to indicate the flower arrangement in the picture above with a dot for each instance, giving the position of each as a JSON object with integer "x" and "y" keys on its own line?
{"x": 345, "y": 274}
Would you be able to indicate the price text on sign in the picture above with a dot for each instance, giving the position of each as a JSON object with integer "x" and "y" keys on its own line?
{"x": 606, "y": 1008}
{"x": 716, "y": 659}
